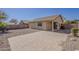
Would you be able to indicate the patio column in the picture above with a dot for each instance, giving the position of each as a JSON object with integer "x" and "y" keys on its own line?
{"x": 52, "y": 26}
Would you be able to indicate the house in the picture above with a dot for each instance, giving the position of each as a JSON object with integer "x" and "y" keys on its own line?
{"x": 47, "y": 23}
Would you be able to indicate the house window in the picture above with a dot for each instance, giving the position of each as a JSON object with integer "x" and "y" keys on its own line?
{"x": 39, "y": 24}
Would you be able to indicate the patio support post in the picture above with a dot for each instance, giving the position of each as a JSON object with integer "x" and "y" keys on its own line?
{"x": 52, "y": 26}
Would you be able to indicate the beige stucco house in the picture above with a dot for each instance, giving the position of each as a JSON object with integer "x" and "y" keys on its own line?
{"x": 47, "y": 23}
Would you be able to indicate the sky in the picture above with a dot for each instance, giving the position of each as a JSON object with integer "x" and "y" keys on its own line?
{"x": 32, "y": 13}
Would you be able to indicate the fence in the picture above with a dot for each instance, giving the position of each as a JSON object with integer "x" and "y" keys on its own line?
{"x": 69, "y": 26}
{"x": 20, "y": 26}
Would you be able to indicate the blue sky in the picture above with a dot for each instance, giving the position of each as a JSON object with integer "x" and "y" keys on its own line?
{"x": 31, "y": 13}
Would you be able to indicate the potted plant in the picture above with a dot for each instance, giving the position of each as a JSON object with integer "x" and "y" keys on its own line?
{"x": 75, "y": 31}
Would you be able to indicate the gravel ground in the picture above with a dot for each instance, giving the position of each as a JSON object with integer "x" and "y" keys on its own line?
{"x": 71, "y": 44}
{"x": 4, "y": 43}
{"x": 13, "y": 33}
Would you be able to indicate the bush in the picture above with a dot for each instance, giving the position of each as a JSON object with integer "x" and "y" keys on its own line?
{"x": 67, "y": 22}
{"x": 73, "y": 22}
{"x": 2, "y": 24}
{"x": 75, "y": 31}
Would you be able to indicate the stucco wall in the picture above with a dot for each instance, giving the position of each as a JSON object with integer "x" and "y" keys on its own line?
{"x": 49, "y": 25}
{"x": 35, "y": 25}
{"x": 32, "y": 25}
{"x": 43, "y": 27}
{"x": 46, "y": 25}
{"x": 59, "y": 21}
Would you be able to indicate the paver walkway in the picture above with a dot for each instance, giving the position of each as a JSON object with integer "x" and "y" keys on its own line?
{"x": 38, "y": 41}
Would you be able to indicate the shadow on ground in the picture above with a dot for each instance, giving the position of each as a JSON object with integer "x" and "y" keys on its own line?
{"x": 66, "y": 31}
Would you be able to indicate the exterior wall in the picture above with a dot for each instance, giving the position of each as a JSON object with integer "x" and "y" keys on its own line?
{"x": 47, "y": 25}
{"x": 32, "y": 25}
{"x": 59, "y": 21}
{"x": 44, "y": 25}
{"x": 35, "y": 25}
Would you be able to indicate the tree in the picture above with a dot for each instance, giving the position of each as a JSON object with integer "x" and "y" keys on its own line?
{"x": 74, "y": 22}
{"x": 3, "y": 16}
{"x": 21, "y": 22}
{"x": 67, "y": 22}
{"x": 13, "y": 21}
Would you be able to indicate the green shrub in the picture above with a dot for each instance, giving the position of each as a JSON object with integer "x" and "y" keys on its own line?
{"x": 74, "y": 22}
{"x": 67, "y": 22}
{"x": 2, "y": 24}
{"x": 75, "y": 31}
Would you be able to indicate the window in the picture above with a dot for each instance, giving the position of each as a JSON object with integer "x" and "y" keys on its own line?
{"x": 39, "y": 24}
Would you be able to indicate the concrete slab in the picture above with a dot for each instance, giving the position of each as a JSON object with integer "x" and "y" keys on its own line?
{"x": 38, "y": 41}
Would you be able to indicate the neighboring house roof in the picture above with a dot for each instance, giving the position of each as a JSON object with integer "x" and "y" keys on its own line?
{"x": 49, "y": 18}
